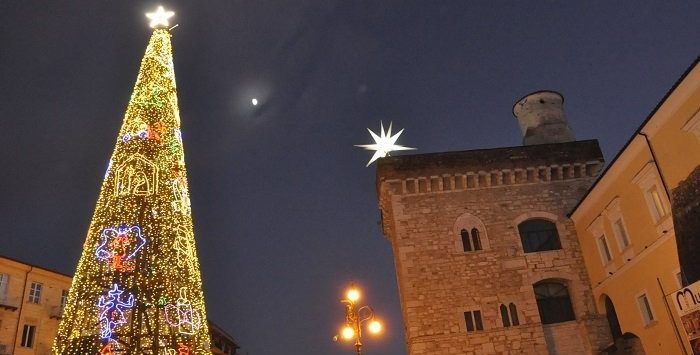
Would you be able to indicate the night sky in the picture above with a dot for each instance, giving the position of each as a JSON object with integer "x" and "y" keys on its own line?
{"x": 285, "y": 211}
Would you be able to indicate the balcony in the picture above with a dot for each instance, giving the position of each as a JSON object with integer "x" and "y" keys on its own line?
{"x": 11, "y": 304}
{"x": 56, "y": 312}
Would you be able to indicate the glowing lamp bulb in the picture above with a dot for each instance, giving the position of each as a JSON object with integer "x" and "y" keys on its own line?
{"x": 353, "y": 295}
{"x": 254, "y": 102}
{"x": 375, "y": 327}
{"x": 347, "y": 333}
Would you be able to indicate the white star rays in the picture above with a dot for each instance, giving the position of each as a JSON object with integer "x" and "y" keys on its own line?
{"x": 159, "y": 18}
{"x": 383, "y": 144}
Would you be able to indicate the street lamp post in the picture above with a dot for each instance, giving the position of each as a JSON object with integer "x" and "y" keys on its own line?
{"x": 355, "y": 317}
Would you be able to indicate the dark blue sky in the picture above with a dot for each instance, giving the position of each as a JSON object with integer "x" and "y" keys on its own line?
{"x": 285, "y": 211}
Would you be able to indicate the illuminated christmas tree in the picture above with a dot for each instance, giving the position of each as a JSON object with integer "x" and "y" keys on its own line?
{"x": 138, "y": 289}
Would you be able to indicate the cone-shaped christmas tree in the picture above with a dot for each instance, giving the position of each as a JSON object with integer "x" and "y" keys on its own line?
{"x": 138, "y": 288}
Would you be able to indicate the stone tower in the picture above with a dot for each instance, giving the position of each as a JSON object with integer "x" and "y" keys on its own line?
{"x": 542, "y": 119}
{"x": 487, "y": 260}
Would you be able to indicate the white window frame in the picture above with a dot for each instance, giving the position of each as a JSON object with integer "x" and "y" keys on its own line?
{"x": 4, "y": 285}
{"x": 606, "y": 255}
{"x": 64, "y": 298}
{"x": 26, "y": 335}
{"x": 647, "y": 319}
{"x": 623, "y": 239}
{"x": 656, "y": 203}
{"x": 622, "y": 236}
{"x": 595, "y": 230}
{"x": 35, "y": 292}
{"x": 648, "y": 179}
{"x": 693, "y": 125}
{"x": 678, "y": 276}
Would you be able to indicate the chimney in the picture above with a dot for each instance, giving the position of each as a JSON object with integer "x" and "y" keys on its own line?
{"x": 542, "y": 119}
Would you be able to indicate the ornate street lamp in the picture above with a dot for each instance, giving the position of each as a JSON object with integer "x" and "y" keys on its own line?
{"x": 355, "y": 317}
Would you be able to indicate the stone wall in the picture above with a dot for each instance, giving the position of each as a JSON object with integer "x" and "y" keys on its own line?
{"x": 564, "y": 338}
{"x": 422, "y": 198}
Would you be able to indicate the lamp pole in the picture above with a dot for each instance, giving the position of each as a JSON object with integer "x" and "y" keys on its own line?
{"x": 355, "y": 317}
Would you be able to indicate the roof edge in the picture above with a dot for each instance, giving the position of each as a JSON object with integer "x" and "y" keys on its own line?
{"x": 35, "y": 266}
{"x": 636, "y": 133}
{"x": 512, "y": 110}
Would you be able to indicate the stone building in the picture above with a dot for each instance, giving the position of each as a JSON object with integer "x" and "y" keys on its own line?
{"x": 31, "y": 304}
{"x": 629, "y": 231}
{"x": 486, "y": 259}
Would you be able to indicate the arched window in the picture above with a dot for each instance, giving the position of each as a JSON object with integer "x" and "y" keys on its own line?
{"x": 472, "y": 243}
{"x": 469, "y": 234}
{"x": 539, "y": 235}
{"x": 504, "y": 315}
{"x": 514, "y": 314}
{"x": 553, "y": 302}
{"x": 476, "y": 241}
{"x": 509, "y": 315}
{"x": 465, "y": 240}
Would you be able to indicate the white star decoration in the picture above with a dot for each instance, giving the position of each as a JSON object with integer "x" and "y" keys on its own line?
{"x": 160, "y": 17}
{"x": 383, "y": 144}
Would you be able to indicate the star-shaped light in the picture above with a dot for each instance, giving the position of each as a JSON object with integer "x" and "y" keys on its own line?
{"x": 383, "y": 144}
{"x": 159, "y": 18}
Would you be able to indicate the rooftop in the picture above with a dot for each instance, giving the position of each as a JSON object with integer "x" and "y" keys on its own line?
{"x": 460, "y": 162}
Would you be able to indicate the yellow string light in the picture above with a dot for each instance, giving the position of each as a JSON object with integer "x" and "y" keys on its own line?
{"x": 140, "y": 242}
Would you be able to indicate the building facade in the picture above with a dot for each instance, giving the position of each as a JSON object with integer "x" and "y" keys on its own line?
{"x": 487, "y": 260}
{"x": 32, "y": 299}
{"x": 221, "y": 342}
{"x": 31, "y": 305}
{"x": 626, "y": 229}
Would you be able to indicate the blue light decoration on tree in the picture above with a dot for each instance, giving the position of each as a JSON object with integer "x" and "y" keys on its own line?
{"x": 119, "y": 246}
{"x": 112, "y": 308}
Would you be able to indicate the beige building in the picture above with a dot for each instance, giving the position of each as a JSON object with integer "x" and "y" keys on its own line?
{"x": 221, "y": 342}
{"x": 487, "y": 260}
{"x": 626, "y": 229}
{"x": 31, "y": 305}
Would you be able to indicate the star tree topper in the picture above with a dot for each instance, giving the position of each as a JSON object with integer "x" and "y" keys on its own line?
{"x": 159, "y": 18}
{"x": 384, "y": 144}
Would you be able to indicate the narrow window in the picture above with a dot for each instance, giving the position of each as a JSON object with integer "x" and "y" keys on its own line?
{"x": 514, "y": 314}
{"x": 504, "y": 315}
{"x": 621, "y": 233}
{"x": 4, "y": 281}
{"x": 470, "y": 321}
{"x": 64, "y": 298}
{"x": 645, "y": 307}
{"x": 659, "y": 209}
{"x": 604, "y": 250}
{"x": 473, "y": 321}
{"x": 539, "y": 235}
{"x": 35, "y": 293}
{"x": 28, "y": 336}
{"x": 553, "y": 302}
{"x": 465, "y": 240}
{"x": 477, "y": 320}
{"x": 476, "y": 240}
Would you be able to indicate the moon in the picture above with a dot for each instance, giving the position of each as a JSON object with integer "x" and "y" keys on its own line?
{"x": 254, "y": 101}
